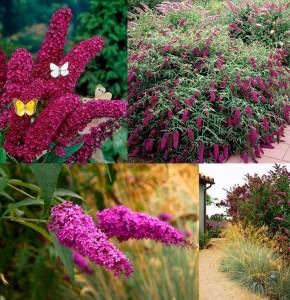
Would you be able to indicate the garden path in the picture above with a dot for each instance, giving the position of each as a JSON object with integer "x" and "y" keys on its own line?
{"x": 215, "y": 285}
{"x": 280, "y": 154}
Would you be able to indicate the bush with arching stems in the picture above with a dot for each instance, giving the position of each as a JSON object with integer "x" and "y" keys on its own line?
{"x": 267, "y": 23}
{"x": 196, "y": 94}
{"x": 263, "y": 200}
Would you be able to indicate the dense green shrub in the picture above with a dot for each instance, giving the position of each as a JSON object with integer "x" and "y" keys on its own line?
{"x": 268, "y": 23}
{"x": 108, "y": 19}
{"x": 196, "y": 94}
{"x": 263, "y": 200}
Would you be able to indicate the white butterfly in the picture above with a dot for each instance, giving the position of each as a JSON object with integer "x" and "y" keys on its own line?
{"x": 57, "y": 71}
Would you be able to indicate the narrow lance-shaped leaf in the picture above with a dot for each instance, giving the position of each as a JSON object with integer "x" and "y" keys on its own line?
{"x": 65, "y": 256}
{"x": 46, "y": 176}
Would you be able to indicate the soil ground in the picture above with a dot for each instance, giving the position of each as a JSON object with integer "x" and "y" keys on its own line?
{"x": 215, "y": 285}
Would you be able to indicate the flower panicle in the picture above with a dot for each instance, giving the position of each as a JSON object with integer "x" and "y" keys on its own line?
{"x": 76, "y": 230}
{"x": 125, "y": 224}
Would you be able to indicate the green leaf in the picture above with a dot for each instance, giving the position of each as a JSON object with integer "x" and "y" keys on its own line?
{"x": 7, "y": 196}
{"x": 66, "y": 193}
{"x": 70, "y": 150}
{"x": 3, "y": 155}
{"x": 25, "y": 202}
{"x": 27, "y": 185}
{"x": 100, "y": 200}
{"x": 37, "y": 228}
{"x": 47, "y": 176}
{"x": 65, "y": 255}
{"x": 3, "y": 183}
{"x": 120, "y": 143}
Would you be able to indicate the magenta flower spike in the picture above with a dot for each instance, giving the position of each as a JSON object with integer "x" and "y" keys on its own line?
{"x": 52, "y": 48}
{"x": 59, "y": 116}
{"x": 3, "y": 70}
{"x": 82, "y": 263}
{"x": 76, "y": 230}
{"x": 125, "y": 224}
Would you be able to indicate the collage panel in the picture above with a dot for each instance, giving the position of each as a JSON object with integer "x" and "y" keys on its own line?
{"x": 244, "y": 240}
{"x": 97, "y": 232}
{"x": 144, "y": 150}
{"x": 63, "y": 81}
{"x": 209, "y": 81}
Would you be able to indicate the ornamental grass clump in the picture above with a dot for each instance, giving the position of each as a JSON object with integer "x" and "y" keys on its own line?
{"x": 256, "y": 268}
{"x": 41, "y": 116}
{"x": 77, "y": 230}
{"x": 198, "y": 95}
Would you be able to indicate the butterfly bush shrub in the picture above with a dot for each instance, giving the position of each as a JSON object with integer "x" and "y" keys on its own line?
{"x": 77, "y": 230}
{"x": 267, "y": 23}
{"x": 263, "y": 200}
{"x": 196, "y": 93}
{"x": 52, "y": 132}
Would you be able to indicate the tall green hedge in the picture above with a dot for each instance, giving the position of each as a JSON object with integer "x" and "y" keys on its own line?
{"x": 108, "y": 19}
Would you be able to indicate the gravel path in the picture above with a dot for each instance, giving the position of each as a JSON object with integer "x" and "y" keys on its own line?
{"x": 215, "y": 285}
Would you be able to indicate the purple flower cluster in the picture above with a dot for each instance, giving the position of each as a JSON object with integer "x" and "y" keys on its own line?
{"x": 82, "y": 263}
{"x": 165, "y": 217}
{"x": 61, "y": 114}
{"x": 93, "y": 140}
{"x": 3, "y": 70}
{"x": 76, "y": 230}
{"x": 125, "y": 224}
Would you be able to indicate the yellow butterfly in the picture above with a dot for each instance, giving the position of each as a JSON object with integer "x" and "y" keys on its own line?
{"x": 28, "y": 108}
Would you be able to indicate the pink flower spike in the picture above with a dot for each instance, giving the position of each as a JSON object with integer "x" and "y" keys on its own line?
{"x": 3, "y": 70}
{"x": 52, "y": 48}
{"x": 216, "y": 151}
{"x": 125, "y": 224}
{"x": 199, "y": 122}
{"x": 200, "y": 153}
{"x": 76, "y": 230}
{"x": 190, "y": 134}
{"x": 175, "y": 139}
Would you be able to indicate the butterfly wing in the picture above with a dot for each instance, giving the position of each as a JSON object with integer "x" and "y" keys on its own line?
{"x": 19, "y": 108}
{"x": 106, "y": 96}
{"x": 64, "y": 69}
{"x": 30, "y": 107}
{"x": 99, "y": 91}
{"x": 55, "y": 70}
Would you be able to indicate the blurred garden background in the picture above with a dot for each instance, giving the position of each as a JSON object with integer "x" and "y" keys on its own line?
{"x": 33, "y": 267}
{"x": 23, "y": 24}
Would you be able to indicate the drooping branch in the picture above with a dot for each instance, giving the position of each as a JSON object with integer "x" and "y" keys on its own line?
{"x": 85, "y": 113}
